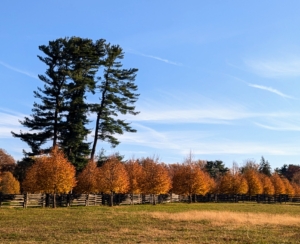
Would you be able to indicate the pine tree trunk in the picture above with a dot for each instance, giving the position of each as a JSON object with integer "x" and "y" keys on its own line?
{"x": 55, "y": 131}
{"x": 95, "y": 137}
{"x": 97, "y": 123}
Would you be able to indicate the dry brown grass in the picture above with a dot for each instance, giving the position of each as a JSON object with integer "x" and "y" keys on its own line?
{"x": 221, "y": 218}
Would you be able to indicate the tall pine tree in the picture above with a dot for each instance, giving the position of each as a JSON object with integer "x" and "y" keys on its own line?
{"x": 46, "y": 120}
{"x": 60, "y": 114}
{"x": 85, "y": 61}
{"x": 118, "y": 96}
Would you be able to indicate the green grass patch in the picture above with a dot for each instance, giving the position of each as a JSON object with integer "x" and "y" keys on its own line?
{"x": 169, "y": 223}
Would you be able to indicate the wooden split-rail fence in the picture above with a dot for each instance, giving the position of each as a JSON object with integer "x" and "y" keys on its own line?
{"x": 46, "y": 200}
{"x": 69, "y": 200}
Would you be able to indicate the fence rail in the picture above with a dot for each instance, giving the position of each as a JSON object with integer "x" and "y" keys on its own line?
{"x": 69, "y": 200}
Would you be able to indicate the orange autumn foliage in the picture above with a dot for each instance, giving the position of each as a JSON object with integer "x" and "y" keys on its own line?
{"x": 113, "y": 177}
{"x": 278, "y": 184}
{"x": 254, "y": 182}
{"x": 7, "y": 162}
{"x": 225, "y": 184}
{"x": 189, "y": 179}
{"x": 9, "y": 184}
{"x": 296, "y": 188}
{"x": 233, "y": 184}
{"x": 268, "y": 187}
{"x": 87, "y": 179}
{"x": 211, "y": 183}
{"x": 289, "y": 189}
{"x": 135, "y": 176}
{"x": 172, "y": 168}
{"x": 51, "y": 173}
{"x": 156, "y": 179}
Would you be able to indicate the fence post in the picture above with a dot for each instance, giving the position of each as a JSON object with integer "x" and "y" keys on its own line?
{"x": 43, "y": 200}
{"x": 25, "y": 200}
{"x": 87, "y": 200}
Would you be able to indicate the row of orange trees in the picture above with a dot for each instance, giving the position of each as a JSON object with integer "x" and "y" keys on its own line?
{"x": 54, "y": 174}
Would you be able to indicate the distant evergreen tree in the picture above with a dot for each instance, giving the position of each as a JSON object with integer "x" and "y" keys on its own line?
{"x": 265, "y": 167}
{"x": 215, "y": 168}
{"x": 102, "y": 157}
{"x": 283, "y": 170}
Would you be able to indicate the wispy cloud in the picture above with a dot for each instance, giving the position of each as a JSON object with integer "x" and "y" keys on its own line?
{"x": 246, "y": 148}
{"x": 270, "y": 89}
{"x": 179, "y": 108}
{"x": 9, "y": 121}
{"x": 155, "y": 57}
{"x": 175, "y": 141}
{"x": 280, "y": 126}
{"x": 203, "y": 143}
{"x": 18, "y": 70}
{"x": 275, "y": 68}
{"x": 210, "y": 116}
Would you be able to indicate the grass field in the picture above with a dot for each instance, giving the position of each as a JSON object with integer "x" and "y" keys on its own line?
{"x": 168, "y": 223}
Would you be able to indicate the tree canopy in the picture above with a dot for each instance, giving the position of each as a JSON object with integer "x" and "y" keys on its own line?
{"x": 7, "y": 162}
{"x": 215, "y": 168}
{"x": 156, "y": 179}
{"x": 76, "y": 68}
{"x": 113, "y": 177}
{"x": 51, "y": 173}
{"x": 265, "y": 167}
{"x": 9, "y": 184}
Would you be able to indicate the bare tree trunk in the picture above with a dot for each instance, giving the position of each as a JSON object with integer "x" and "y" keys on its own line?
{"x": 54, "y": 201}
{"x": 112, "y": 199}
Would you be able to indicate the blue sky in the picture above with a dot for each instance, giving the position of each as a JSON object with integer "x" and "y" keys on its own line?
{"x": 217, "y": 78}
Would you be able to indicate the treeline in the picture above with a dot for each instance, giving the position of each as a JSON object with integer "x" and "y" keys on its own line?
{"x": 53, "y": 174}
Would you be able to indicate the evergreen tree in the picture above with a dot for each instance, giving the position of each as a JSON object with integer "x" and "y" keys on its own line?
{"x": 264, "y": 167}
{"x": 102, "y": 157}
{"x": 215, "y": 168}
{"x": 85, "y": 59}
{"x": 61, "y": 115}
{"x": 118, "y": 96}
{"x": 46, "y": 120}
